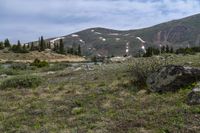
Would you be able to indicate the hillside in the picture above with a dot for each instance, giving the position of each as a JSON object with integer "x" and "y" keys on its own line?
{"x": 45, "y": 55}
{"x": 106, "y": 42}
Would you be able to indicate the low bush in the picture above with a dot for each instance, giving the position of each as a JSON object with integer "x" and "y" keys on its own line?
{"x": 19, "y": 66}
{"x": 56, "y": 67}
{"x": 141, "y": 69}
{"x": 23, "y": 81}
{"x": 9, "y": 71}
{"x": 39, "y": 63}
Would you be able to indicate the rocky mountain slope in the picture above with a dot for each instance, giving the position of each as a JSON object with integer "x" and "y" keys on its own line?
{"x": 106, "y": 42}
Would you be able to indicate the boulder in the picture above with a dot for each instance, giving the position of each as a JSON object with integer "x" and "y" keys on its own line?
{"x": 194, "y": 97}
{"x": 118, "y": 59}
{"x": 171, "y": 78}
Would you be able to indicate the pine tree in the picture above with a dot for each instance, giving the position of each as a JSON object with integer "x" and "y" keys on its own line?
{"x": 7, "y": 43}
{"x": 28, "y": 46}
{"x": 41, "y": 44}
{"x": 19, "y": 47}
{"x": 1, "y": 45}
{"x": 167, "y": 49}
{"x": 61, "y": 47}
{"x": 163, "y": 49}
{"x": 171, "y": 50}
{"x": 32, "y": 47}
{"x": 79, "y": 50}
{"x": 24, "y": 49}
{"x": 94, "y": 59}
{"x": 48, "y": 45}
{"x": 71, "y": 50}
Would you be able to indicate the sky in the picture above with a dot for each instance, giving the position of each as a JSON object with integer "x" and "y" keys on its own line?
{"x": 26, "y": 20}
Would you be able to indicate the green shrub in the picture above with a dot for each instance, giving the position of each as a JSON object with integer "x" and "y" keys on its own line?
{"x": 56, "y": 67}
{"x": 23, "y": 81}
{"x": 39, "y": 63}
{"x": 143, "y": 67}
{"x": 8, "y": 71}
{"x": 19, "y": 66}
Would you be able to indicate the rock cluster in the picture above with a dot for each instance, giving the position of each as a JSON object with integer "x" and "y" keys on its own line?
{"x": 172, "y": 78}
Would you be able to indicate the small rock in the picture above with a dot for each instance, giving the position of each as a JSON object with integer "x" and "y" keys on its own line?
{"x": 50, "y": 72}
{"x": 77, "y": 110}
{"x": 194, "y": 97}
{"x": 118, "y": 59}
{"x": 77, "y": 69}
{"x": 3, "y": 76}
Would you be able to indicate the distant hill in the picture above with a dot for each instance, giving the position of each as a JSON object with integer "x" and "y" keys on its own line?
{"x": 106, "y": 42}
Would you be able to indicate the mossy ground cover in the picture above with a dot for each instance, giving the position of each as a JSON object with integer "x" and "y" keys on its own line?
{"x": 103, "y": 100}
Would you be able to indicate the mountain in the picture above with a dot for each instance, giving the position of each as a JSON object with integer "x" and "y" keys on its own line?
{"x": 106, "y": 42}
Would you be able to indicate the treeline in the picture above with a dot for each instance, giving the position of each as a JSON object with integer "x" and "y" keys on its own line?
{"x": 166, "y": 49}
{"x": 42, "y": 45}
{"x": 150, "y": 51}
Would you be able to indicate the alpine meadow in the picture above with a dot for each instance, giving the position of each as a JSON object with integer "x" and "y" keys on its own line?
{"x": 109, "y": 66}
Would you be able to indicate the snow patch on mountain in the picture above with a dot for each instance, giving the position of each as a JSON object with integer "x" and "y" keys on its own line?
{"x": 144, "y": 49}
{"x": 103, "y": 39}
{"x": 56, "y": 39}
{"x": 126, "y": 34}
{"x": 127, "y": 47}
{"x": 140, "y": 39}
{"x": 82, "y": 41}
{"x": 117, "y": 39}
{"x": 75, "y": 35}
{"x": 98, "y": 33}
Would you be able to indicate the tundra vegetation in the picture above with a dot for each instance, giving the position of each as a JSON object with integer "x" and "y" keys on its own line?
{"x": 106, "y": 98}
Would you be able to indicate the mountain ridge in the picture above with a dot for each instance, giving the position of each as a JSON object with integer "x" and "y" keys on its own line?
{"x": 107, "y": 42}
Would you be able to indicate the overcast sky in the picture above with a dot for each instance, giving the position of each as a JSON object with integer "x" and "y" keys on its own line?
{"x": 26, "y": 20}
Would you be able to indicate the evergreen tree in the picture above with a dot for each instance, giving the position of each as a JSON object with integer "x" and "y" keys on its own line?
{"x": 19, "y": 47}
{"x": 151, "y": 51}
{"x": 16, "y": 48}
{"x": 167, "y": 49}
{"x": 41, "y": 44}
{"x": 48, "y": 45}
{"x": 56, "y": 47}
{"x": 61, "y": 47}
{"x": 163, "y": 49}
{"x": 79, "y": 50}
{"x": 28, "y": 46}
{"x": 7, "y": 43}
{"x": 171, "y": 50}
{"x": 71, "y": 51}
{"x": 24, "y": 49}
{"x": 94, "y": 59}
{"x": 1, "y": 45}
{"x": 32, "y": 47}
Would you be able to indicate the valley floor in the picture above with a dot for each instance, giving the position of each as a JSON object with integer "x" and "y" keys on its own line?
{"x": 96, "y": 99}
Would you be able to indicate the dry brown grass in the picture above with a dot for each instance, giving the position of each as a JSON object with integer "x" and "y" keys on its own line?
{"x": 29, "y": 57}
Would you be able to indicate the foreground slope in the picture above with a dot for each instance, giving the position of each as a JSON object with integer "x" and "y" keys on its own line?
{"x": 102, "y": 99}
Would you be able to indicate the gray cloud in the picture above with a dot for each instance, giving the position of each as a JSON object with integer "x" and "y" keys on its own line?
{"x": 28, "y": 19}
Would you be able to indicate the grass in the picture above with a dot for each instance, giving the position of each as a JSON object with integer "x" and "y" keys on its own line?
{"x": 22, "y": 81}
{"x": 105, "y": 99}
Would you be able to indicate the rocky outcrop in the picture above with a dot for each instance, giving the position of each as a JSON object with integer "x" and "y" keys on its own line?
{"x": 194, "y": 97}
{"x": 171, "y": 78}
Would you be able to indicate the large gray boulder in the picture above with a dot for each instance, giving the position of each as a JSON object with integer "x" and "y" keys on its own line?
{"x": 194, "y": 97}
{"x": 172, "y": 78}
